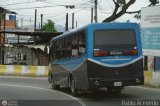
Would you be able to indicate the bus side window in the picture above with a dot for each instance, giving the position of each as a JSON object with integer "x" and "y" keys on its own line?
{"x": 58, "y": 50}
{"x": 69, "y": 46}
{"x": 63, "y": 50}
{"x": 51, "y": 53}
{"x": 82, "y": 43}
{"x": 74, "y": 46}
{"x": 53, "y": 50}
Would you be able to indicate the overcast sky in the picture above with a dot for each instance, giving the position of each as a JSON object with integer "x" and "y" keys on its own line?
{"x": 56, "y": 11}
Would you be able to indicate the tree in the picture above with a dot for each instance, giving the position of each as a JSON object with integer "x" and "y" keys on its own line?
{"x": 49, "y": 26}
{"x": 121, "y": 7}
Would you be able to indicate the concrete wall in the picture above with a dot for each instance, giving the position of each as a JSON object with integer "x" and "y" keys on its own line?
{"x": 26, "y": 70}
{"x": 152, "y": 78}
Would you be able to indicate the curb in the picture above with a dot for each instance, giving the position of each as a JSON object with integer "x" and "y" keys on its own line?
{"x": 152, "y": 78}
{"x": 23, "y": 70}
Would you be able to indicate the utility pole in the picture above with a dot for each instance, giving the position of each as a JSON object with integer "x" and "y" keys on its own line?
{"x": 4, "y": 26}
{"x": 41, "y": 21}
{"x": 30, "y": 22}
{"x": 4, "y": 36}
{"x": 0, "y": 21}
{"x": 69, "y": 7}
{"x": 92, "y": 15}
{"x": 35, "y": 21}
{"x": 66, "y": 22}
{"x": 35, "y": 24}
{"x": 95, "y": 8}
{"x": 72, "y": 20}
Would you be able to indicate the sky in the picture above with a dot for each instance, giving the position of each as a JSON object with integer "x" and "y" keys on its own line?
{"x": 56, "y": 10}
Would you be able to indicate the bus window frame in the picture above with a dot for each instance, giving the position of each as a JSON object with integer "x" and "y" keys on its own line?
{"x": 67, "y": 43}
{"x": 116, "y": 29}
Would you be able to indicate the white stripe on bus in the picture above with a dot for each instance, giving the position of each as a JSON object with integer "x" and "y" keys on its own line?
{"x": 116, "y": 65}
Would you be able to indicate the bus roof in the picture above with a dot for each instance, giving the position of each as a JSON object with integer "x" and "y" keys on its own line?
{"x": 94, "y": 24}
{"x": 69, "y": 32}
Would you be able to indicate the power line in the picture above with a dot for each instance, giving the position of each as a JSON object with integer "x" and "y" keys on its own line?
{"x": 31, "y": 7}
{"x": 59, "y": 19}
{"x": 85, "y": 3}
{"x": 18, "y": 3}
{"x": 43, "y": 14}
{"x": 55, "y": 15}
{"x": 41, "y": 6}
{"x": 63, "y": 4}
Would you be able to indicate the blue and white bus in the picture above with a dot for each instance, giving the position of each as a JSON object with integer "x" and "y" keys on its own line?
{"x": 97, "y": 55}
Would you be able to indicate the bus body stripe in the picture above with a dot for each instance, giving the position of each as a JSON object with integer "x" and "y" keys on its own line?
{"x": 117, "y": 65}
{"x": 103, "y": 64}
{"x": 68, "y": 69}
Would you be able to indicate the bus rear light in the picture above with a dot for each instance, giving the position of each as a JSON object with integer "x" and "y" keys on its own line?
{"x": 96, "y": 54}
{"x": 127, "y": 52}
{"x": 130, "y": 52}
{"x": 134, "y": 52}
{"x": 101, "y": 53}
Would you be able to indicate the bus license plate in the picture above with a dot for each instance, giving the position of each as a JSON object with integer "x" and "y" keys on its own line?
{"x": 117, "y": 83}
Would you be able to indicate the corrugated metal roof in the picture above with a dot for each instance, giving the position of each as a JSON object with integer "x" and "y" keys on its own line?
{"x": 2, "y": 10}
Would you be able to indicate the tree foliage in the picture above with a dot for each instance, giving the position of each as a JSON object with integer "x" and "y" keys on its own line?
{"x": 49, "y": 26}
{"x": 121, "y": 7}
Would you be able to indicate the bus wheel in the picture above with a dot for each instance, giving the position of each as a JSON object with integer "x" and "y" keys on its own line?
{"x": 49, "y": 78}
{"x": 54, "y": 86}
{"x": 74, "y": 91}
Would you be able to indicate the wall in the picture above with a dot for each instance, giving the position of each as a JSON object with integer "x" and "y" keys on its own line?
{"x": 26, "y": 70}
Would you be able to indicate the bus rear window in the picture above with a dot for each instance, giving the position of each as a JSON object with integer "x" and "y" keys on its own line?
{"x": 115, "y": 42}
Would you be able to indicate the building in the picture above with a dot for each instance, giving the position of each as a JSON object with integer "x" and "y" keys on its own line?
{"x": 5, "y": 24}
{"x": 17, "y": 46}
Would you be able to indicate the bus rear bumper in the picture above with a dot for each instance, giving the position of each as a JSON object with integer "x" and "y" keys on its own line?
{"x": 98, "y": 83}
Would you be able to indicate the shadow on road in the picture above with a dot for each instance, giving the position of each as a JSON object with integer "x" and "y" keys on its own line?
{"x": 100, "y": 95}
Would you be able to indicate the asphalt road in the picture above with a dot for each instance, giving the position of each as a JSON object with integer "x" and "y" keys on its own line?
{"x": 29, "y": 91}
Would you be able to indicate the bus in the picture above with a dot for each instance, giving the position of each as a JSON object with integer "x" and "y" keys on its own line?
{"x": 101, "y": 55}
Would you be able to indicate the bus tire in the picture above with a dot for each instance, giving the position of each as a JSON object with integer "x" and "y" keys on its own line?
{"x": 54, "y": 85}
{"x": 74, "y": 91}
{"x": 49, "y": 77}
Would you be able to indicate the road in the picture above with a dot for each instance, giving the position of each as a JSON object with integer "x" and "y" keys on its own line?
{"x": 29, "y": 91}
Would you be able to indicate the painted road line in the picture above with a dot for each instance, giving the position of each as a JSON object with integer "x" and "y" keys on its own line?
{"x": 24, "y": 86}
